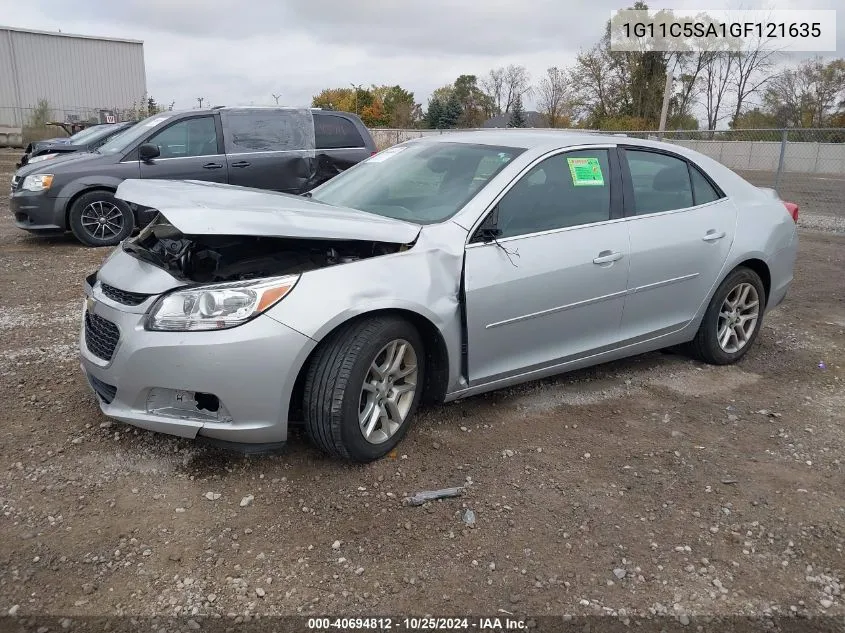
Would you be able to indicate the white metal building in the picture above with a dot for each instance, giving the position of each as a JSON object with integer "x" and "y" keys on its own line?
{"x": 76, "y": 74}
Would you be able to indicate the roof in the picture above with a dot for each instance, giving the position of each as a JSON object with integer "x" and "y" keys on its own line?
{"x": 532, "y": 119}
{"x": 74, "y": 35}
{"x": 545, "y": 138}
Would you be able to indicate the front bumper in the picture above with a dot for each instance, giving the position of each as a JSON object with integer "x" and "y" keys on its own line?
{"x": 152, "y": 377}
{"x": 37, "y": 212}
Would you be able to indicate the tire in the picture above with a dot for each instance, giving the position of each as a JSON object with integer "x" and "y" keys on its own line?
{"x": 87, "y": 209}
{"x": 334, "y": 394}
{"x": 706, "y": 345}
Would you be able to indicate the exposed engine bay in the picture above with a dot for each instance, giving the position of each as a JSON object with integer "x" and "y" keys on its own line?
{"x": 219, "y": 258}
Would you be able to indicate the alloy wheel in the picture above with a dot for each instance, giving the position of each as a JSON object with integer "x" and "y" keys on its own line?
{"x": 102, "y": 219}
{"x": 388, "y": 391}
{"x": 738, "y": 317}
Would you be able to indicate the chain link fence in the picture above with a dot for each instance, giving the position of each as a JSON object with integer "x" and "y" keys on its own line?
{"x": 33, "y": 124}
{"x": 804, "y": 165}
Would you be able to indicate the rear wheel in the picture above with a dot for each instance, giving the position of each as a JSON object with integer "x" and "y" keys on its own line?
{"x": 362, "y": 388}
{"x": 733, "y": 319}
{"x": 97, "y": 218}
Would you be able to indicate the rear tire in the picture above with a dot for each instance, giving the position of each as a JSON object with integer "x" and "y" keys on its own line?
{"x": 97, "y": 218}
{"x": 358, "y": 398}
{"x": 733, "y": 319}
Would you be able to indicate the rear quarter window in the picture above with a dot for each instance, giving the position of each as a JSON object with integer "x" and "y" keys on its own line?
{"x": 335, "y": 132}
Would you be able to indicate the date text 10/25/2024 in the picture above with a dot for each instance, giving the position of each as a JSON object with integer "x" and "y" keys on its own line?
{"x": 418, "y": 624}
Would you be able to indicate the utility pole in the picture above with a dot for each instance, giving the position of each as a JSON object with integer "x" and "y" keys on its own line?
{"x": 200, "y": 100}
{"x": 667, "y": 94}
{"x": 356, "y": 88}
{"x": 277, "y": 97}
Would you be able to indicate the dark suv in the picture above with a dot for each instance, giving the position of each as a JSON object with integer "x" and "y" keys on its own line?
{"x": 282, "y": 149}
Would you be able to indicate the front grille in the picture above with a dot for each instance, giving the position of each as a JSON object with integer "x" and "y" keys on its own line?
{"x": 101, "y": 336}
{"x": 102, "y": 389}
{"x": 123, "y": 296}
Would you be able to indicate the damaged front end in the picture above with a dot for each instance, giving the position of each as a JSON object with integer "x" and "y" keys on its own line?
{"x": 221, "y": 258}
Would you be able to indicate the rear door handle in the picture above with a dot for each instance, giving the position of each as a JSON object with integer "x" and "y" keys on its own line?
{"x": 240, "y": 163}
{"x": 606, "y": 257}
{"x": 212, "y": 166}
{"x": 712, "y": 236}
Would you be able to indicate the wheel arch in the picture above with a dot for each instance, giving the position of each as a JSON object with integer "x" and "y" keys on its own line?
{"x": 436, "y": 354}
{"x": 761, "y": 268}
{"x": 81, "y": 192}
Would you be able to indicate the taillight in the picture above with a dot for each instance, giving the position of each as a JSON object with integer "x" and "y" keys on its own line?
{"x": 793, "y": 210}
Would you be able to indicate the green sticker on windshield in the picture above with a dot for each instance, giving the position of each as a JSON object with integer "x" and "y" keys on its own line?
{"x": 585, "y": 171}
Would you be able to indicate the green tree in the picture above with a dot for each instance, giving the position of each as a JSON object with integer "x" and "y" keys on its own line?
{"x": 517, "y": 118}
{"x": 434, "y": 113}
{"x": 473, "y": 101}
{"x": 40, "y": 115}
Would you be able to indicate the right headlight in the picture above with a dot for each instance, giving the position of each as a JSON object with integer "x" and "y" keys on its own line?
{"x": 38, "y": 159}
{"x": 37, "y": 182}
{"x": 217, "y": 306}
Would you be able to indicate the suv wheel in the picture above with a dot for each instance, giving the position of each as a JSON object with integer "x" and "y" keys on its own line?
{"x": 362, "y": 388}
{"x": 97, "y": 218}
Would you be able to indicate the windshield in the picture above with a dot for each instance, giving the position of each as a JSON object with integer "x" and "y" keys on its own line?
{"x": 122, "y": 141}
{"x": 420, "y": 182}
{"x": 83, "y": 134}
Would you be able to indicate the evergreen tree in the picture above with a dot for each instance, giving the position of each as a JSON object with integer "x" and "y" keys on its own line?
{"x": 517, "y": 118}
{"x": 434, "y": 113}
{"x": 152, "y": 106}
{"x": 451, "y": 112}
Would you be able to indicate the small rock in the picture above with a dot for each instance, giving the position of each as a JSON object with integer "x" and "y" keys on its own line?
{"x": 826, "y": 603}
{"x": 359, "y": 571}
{"x": 247, "y": 501}
{"x": 14, "y": 610}
{"x": 684, "y": 619}
{"x": 212, "y": 496}
{"x": 88, "y": 588}
{"x": 260, "y": 592}
{"x": 193, "y": 625}
{"x": 336, "y": 545}
{"x": 468, "y": 517}
{"x": 507, "y": 453}
{"x": 211, "y": 597}
{"x": 620, "y": 573}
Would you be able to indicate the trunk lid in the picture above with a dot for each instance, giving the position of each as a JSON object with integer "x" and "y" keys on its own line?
{"x": 205, "y": 208}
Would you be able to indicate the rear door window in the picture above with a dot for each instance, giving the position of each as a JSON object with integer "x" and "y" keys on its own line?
{"x": 661, "y": 182}
{"x": 248, "y": 131}
{"x": 335, "y": 132}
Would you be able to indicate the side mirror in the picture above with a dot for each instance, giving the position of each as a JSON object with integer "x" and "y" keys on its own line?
{"x": 148, "y": 151}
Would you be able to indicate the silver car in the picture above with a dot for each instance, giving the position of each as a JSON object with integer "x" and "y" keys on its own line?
{"x": 438, "y": 269}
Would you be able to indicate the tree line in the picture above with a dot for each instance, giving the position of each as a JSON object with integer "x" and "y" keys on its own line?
{"x": 614, "y": 90}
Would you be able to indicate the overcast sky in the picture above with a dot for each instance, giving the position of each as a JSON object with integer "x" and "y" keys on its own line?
{"x": 239, "y": 53}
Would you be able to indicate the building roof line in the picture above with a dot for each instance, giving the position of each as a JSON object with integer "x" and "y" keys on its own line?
{"x": 74, "y": 35}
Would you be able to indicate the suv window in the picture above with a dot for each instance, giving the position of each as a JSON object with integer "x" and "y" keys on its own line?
{"x": 267, "y": 131}
{"x": 188, "y": 137}
{"x": 661, "y": 182}
{"x": 335, "y": 132}
{"x": 568, "y": 189}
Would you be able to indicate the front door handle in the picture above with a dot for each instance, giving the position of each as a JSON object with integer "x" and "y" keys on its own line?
{"x": 240, "y": 163}
{"x": 212, "y": 166}
{"x": 712, "y": 236}
{"x": 606, "y": 257}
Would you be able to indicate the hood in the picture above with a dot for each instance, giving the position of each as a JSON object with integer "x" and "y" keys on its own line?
{"x": 46, "y": 148}
{"x": 205, "y": 208}
{"x": 57, "y": 162}
{"x": 59, "y": 140}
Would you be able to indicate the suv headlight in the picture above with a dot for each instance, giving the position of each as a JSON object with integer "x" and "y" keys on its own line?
{"x": 38, "y": 159}
{"x": 217, "y": 306}
{"x": 37, "y": 182}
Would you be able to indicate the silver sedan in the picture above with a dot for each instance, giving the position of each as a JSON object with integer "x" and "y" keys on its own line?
{"x": 438, "y": 269}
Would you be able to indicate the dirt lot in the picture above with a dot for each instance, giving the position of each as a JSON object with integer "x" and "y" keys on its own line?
{"x": 654, "y": 485}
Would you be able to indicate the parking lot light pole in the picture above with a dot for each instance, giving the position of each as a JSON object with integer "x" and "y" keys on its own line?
{"x": 356, "y": 88}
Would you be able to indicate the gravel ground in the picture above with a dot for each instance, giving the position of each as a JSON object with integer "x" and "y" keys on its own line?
{"x": 655, "y": 485}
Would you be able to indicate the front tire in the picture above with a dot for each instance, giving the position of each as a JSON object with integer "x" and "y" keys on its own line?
{"x": 97, "y": 218}
{"x": 362, "y": 388}
{"x": 733, "y": 319}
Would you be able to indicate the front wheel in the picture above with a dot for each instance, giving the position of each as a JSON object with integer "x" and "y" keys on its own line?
{"x": 362, "y": 388}
{"x": 97, "y": 218}
{"x": 733, "y": 319}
